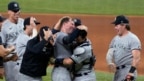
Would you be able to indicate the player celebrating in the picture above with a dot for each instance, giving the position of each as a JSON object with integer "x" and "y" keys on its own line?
{"x": 11, "y": 28}
{"x": 82, "y": 58}
{"x": 124, "y": 51}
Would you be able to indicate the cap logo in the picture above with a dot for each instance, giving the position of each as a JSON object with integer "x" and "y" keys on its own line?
{"x": 15, "y": 5}
{"x": 75, "y": 20}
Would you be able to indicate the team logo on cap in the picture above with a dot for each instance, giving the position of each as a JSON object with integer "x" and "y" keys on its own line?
{"x": 75, "y": 20}
{"x": 15, "y": 5}
{"x": 122, "y": 22}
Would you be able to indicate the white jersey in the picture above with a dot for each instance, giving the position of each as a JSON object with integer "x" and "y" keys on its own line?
{"x": 9, "y": 34}
{"x": 21, "y": 43}
{"x": 123, "y": 47}
{"x": 10, "y": 31}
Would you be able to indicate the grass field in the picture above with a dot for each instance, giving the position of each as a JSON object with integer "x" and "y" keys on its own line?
{"x": 100, "y": 7}
{"x": 97, "y": 7}
{"x": 101, "y": 76}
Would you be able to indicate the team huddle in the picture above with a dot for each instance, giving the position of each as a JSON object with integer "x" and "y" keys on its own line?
{"x": 25, "y": 55}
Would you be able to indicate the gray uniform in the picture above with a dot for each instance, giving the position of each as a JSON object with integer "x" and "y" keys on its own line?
{"x": 61, "y": 50}
{"x": 9, "y": 33}
{"x": 122, "y": 54}
{"x": 83, "y": 69}
{"x": 21, "y": 43}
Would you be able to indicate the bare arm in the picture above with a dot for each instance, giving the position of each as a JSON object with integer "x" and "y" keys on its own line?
{"x": 5, "y": 51}
{"x": 136, "y": 57}
{"x": 109, "y": 59}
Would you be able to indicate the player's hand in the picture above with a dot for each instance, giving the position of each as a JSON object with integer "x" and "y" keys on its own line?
{"x": 14, "y": 57}
{"x": 52, "y": 60}
{"x": 11, "y": 47}
{"x": 47, "y": 34}
{"x": 1, "y": 73}
{"x": 129, "y": 77}
{"x": 57, "y": 25}
{"x": 112, "y": 67}
{"x": 82, "y": 27}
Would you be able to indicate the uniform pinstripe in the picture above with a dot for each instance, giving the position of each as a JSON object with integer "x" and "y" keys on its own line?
{"x": 21, "y": 43}
{"x": 9, "y": 33}
{"x": 122, "y": 53}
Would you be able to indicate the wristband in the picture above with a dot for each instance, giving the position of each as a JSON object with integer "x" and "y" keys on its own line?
{"x": 132, "y": 69}
{"x": 59, "y": 61}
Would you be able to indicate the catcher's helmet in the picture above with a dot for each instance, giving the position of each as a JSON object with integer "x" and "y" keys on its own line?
{"x": 77, "y": 21}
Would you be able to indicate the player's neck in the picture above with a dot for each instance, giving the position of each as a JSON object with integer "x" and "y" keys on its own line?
{"x": 12, "y": 20}
{"x": 63, "y": 30}
{"x": 124, "y": 33}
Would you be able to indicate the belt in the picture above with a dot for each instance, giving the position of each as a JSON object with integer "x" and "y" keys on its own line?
{"x": 82, "y": 74}
{"x": 120, "y": 67}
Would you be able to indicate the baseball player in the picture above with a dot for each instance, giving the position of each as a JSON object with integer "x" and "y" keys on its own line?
{"x": 11, "y": 28}
{"x": 62, "y": 48}
{"x": 3, "y": 52}
{"x": 21, "y": 42}
{"x": 124, "y": 51}
{"x": 82, "y": 58}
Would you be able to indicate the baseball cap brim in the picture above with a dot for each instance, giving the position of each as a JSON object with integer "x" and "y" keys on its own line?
{"x": 16, "y": 10}
{"x": 115, "y": 22}
{"x": 37, "y": 22}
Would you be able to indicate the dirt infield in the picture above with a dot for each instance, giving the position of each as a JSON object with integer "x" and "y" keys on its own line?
{"x": 100, "y": 32}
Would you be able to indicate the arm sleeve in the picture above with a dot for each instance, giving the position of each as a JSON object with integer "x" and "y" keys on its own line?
{"x": 135, "y": 44}
{"x": 71, "y": 37}
{"x": 54, "y": 31}
{"x": 36, "y": 47}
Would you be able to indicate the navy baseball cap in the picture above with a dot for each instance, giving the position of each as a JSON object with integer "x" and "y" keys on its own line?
{"x": 14, "y": 6}
{"x": 77, "y": 21}
{"x": 2, "y": 19}
{"x": 27, "y": 21}
{"x": 120, "y": 19}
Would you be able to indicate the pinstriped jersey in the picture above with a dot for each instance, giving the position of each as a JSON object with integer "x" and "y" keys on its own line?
{"x": 123, "y": 47}
{"x": 21, "y": 43}
{"x": 10, "y": 31}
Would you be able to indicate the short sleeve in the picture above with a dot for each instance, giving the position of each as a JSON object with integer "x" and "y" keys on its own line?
{"x": 135, "y": 44}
